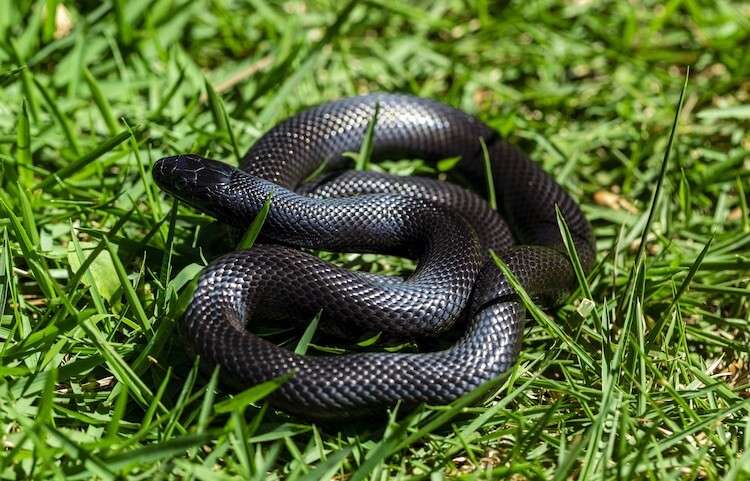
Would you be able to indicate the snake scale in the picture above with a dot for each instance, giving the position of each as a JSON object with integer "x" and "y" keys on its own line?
{"x": 447, "y": 228}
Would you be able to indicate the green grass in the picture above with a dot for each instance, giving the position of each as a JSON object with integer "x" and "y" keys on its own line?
{"x": 643, "y": 372}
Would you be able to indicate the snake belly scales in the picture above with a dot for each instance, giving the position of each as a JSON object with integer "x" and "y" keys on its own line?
{"x": 448, "y": 229}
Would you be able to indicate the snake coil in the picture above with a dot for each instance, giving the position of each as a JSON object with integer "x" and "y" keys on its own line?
{"x": 447, "y": 228}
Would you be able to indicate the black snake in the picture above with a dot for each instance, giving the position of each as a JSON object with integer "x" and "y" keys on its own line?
{"x": 447, "y": 228}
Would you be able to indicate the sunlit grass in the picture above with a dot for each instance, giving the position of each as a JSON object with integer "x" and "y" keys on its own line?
{"x": 641, "y": 374}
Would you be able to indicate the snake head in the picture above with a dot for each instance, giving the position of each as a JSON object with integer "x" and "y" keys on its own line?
{"x": 190, "y": 173}
{"x": 202, "y": 183}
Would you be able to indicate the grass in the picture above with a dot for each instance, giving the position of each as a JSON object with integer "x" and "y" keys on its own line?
{"x": 641, "y": 374}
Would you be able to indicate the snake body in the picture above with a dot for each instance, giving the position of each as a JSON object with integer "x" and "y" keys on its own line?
{"x": 447, "y": 228}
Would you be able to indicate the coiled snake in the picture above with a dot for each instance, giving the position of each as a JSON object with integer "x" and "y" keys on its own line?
{"x": 447, "y": 228}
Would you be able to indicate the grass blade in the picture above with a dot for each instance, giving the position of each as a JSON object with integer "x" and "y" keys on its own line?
{"x": 23, "y": 147}
{"x": 61, "y": 118}
{"x": 487, "y": 162}
{"x": 251, "y": 395}
{"x": 540, "y": 316}
{"x": 252, "y": 232}
{"x": 83, "y": 161}
{"x": 101, "y": 102}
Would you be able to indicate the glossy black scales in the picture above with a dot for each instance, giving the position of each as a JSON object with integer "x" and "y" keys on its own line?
{"x": 447, "y": 228}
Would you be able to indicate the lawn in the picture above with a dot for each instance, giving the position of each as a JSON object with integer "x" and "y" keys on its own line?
{"x": 642, "y": 373}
